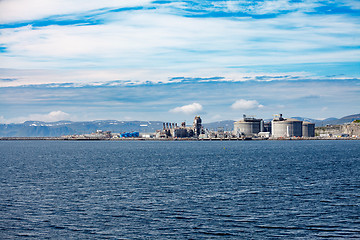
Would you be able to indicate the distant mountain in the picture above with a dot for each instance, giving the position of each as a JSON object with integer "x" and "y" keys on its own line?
{"x": 226, "y": 124}
{"x": 336, "y": 121}
{"x": 318, "y": 123}
{"x": 306, "y": 119}
{"x": 350, "y": 118}
{"x": 324, "y": 122}
{"x": 54, "y": 129}
{"x": 331, "y": 121}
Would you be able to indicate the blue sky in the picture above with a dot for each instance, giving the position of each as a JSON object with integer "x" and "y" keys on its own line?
{"x": 169, "y": 60}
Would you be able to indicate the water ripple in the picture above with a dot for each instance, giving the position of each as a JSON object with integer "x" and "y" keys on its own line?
{"x": 180, "y": 190}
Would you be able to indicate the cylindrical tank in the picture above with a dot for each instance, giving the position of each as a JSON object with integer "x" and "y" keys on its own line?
{"x": 247, "y": 126}
{"x": 286, "y": 128}
{"x": 308, "y": 129}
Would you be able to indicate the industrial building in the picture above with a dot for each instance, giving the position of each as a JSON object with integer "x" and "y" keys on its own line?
{"x": 171, "y": 130}
{"x": 282, "y": 127}
{"x": 197, "y": 127}
{"x": 248, "y": 126}
{"x": 279, "y": 127}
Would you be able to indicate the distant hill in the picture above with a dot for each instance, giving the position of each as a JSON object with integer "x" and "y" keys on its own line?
{"x": 226, "y": 124}
{"x": 307, "y": 119}
{"x": 331, "y": 121}
{"x": 336, "y": 121}
{"x": 55, "y": 129}
{"x": 350, "y": 118}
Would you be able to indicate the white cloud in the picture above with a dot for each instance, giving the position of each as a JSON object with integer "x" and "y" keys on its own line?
{"x": 243, "y": 104}
{"x": 216, "y": 117}
{"x": 260, "y": 7}
{"x": 25, "y": 10}
{"x": 188, "y": 109}
{"x": 150, "y": 38}
{"x": 276, "y": 6}
{"x": 79, "y": 77}
{"x": 352, "y": 4}
{"x": 53, "y": 116}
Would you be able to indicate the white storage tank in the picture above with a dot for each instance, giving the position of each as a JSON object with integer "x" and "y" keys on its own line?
{"x": 282, "y": 127}
{"x": 248, "y": 126}
{"x": 308, "y": 129}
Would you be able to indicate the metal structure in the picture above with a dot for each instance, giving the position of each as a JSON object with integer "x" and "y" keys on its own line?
{"x": 197, "y": 126}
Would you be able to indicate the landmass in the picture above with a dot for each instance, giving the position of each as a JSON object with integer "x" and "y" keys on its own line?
{"x": 347, "y": 127}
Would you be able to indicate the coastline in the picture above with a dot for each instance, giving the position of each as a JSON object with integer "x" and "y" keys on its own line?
{"x": 169, "y": 139}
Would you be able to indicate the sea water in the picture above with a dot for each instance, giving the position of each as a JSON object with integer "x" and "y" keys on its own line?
{"x": 179, "y": 189}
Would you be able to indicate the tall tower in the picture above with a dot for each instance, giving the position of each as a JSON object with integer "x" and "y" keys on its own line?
{"x": 197, "y": 126}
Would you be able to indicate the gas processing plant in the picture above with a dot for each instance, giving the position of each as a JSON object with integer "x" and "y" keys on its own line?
{"x": 279, "y": 127}
{"x": 171, "y": 130}
{"x": 246, "y": 128}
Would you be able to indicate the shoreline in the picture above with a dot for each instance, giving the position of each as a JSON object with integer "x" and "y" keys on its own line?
{"x": 167, "y": 139}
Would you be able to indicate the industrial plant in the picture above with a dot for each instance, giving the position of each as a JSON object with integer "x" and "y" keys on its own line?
{"x": 246, "y": 128}
{"x": 173, "y": 131}
{"x": 279, "y": 127}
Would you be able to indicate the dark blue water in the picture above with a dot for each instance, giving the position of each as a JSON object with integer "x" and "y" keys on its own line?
{"x": 180, "y": 190}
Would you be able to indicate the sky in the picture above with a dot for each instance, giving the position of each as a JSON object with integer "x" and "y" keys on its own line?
{"x": 83, "y": 60}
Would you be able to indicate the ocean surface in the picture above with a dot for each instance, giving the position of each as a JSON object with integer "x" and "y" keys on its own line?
{"x": 179, "y": 190}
